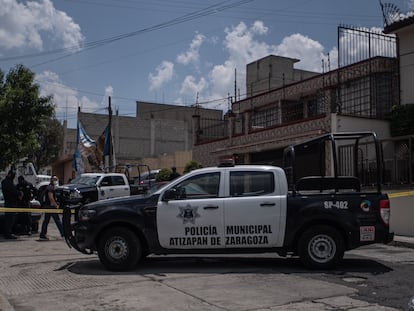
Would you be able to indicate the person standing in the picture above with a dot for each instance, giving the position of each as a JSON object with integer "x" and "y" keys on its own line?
{"x": 28, "y": 190}
{"x": 174, "y": 173}
{"x": 11, "y": 198}
{"x": 50, "y": 202}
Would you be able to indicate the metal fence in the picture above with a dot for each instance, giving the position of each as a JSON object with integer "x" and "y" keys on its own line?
{"x": 211, "y": 129}
{"x": 397, "y": 162}
{"x": 356, "y": 44}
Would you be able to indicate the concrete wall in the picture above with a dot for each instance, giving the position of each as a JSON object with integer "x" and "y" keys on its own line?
{"x": 402, "y": 215}
{"x": 178, "y": 159}
{"x": 341, "y": 123}
{"x": 272, "y": 72}
{"x": 136, "y": 139}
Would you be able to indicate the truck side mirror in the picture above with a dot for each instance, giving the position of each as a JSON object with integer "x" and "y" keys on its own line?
{"x": 169, "y": 194}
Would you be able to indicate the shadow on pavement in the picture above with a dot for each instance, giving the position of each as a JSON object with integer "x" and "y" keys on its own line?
{"x": 215, "y": 264}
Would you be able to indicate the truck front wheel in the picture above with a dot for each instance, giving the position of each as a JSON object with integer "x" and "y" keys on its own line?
{"x": 119, "y": 249}
{"x": 321, "y": 247}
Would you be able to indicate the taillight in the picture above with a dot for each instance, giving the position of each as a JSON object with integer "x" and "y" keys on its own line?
{"x": 385, "y": 211}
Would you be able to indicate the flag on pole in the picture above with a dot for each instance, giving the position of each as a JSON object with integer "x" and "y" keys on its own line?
{"x": 85, "y": 147}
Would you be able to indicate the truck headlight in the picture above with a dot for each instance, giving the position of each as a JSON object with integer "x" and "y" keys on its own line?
{"x": 75, "y": 194}
{"x": 86, "y": 214}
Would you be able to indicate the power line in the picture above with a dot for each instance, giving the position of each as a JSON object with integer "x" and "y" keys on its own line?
{"x": 213, "y": 9}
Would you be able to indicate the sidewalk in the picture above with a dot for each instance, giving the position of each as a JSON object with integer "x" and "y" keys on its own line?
{"x": 56, "y": 250}
{"x": 404, "y": 241}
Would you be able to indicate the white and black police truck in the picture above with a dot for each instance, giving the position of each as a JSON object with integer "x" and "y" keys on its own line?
{"x": 304, "y": 209}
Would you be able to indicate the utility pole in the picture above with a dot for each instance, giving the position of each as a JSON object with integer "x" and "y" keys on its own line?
{"x": 235, "y": 84}
{"x": 110, "y": 133}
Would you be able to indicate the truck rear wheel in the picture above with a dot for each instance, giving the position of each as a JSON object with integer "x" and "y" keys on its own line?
{"x": 321, "y": 247}
{"x": 119, "y": 249}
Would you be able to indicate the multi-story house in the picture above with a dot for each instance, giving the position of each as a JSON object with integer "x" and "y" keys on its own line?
{"x": 288, "y": 105}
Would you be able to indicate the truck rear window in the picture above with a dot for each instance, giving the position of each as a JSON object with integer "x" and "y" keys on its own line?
{"x": 247, "y": 183}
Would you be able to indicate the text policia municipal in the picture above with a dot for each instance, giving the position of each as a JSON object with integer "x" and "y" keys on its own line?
{"x": 235, "y": 235}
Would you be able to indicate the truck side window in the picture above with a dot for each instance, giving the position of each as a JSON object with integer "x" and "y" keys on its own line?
{"x": 106, "y": 181}
{"x": 249, "y": 183}
{"x": 199, "y": 187}
{"x": 118, "y": 181}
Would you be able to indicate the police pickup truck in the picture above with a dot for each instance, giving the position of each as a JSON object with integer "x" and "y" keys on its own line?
{"x": 91, "y": 187}
{"x": 243, "y": 209}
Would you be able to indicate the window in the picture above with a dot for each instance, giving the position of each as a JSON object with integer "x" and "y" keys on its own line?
{"x": 251, "y": 183}
{"x": 265, "y": 118}
{"x": 106, "y": 181}
{"x": 118, "y": 181}
{"x": 292, "y": 111}
{"x": 199, "y": 187}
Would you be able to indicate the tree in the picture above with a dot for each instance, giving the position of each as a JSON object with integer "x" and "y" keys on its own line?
{"x": 23, "y": 114}
{"x": 164, "y": 174}
{"x": 192, "y": 165}
{"x": 50, "y": 139}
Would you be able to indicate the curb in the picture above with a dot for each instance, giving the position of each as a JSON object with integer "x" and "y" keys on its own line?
{"x": 403, "y": 241}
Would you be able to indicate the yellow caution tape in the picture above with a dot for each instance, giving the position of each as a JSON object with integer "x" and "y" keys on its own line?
{"x": 31, "y": 210}
{"x": 400, "y": 194}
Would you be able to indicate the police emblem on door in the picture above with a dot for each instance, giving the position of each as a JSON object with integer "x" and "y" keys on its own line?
{"x": 188, "y": 214}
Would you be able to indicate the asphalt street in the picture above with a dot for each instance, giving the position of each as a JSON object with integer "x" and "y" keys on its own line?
{"x": 48, "y": 275}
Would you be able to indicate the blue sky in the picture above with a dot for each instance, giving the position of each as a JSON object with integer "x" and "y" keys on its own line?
{"x": 167, "y": 51}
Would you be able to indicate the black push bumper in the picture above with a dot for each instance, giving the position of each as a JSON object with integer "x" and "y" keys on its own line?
{"x": 69, "y": 229}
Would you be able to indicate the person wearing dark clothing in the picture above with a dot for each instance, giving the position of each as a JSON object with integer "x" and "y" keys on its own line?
{"x": 50, "y": 202}
{"x": 11, "y": 199}
{"x": 28, "y": 191}
{"x": 174, "y": 173}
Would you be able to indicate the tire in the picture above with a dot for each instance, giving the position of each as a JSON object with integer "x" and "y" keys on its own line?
{"x": 119, "y": 249}
{"x": 321, "y": 247}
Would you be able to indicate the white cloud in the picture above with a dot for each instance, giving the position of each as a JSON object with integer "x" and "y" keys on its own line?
{"x": 109, "y": 90}
{"x": 308, "y": 51}
{"x": 66, "y": 100}
{"x": 22, "y": 25}
{"x": 164, "y": 73}
{"x": 244, "y": 46}
{"x": 259, "y": 28}
{"x": 192, "y": 55}
{"x": 191, "y": 87}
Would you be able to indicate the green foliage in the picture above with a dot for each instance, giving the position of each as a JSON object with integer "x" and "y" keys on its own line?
{"x": 50, "y": 139}
{"x": 402, "y": 120}
{"x": 23, "y": 114}
{"x": 164, "y": 174}
{"x": 192, "y": 165}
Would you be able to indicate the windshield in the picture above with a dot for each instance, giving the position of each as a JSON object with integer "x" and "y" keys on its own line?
{"x": 86, "y": 180}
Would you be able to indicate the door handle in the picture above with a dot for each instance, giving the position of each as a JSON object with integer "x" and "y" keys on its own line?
{"x": 267, "y": 204}
{"x": 211, "y": 207}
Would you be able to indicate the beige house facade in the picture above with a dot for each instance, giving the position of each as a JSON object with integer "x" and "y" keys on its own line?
{"x": 356, "y": 97}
